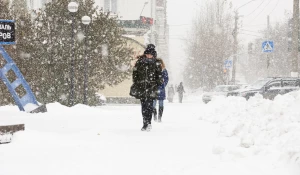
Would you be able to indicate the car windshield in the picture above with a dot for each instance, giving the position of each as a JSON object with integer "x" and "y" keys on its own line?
{"x": 259, "y": 84}
{"x": 221, "y": 89}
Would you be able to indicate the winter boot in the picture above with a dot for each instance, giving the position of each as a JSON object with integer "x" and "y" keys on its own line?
{"x": 160, "y": 113}
{"x": 154, "y": 114}
{"x": 149, "y": 127}
{"x": 144, "y": 128}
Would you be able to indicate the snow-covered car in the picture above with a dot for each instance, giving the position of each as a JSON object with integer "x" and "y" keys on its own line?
{"x": 243, "y": 86}
{"x": 221, "y": 90}
{"x": 269, "y": 88}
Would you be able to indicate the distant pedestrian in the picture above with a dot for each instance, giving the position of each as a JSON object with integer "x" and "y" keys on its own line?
{"x": 180, "y": 90}
{"x": 171, "y": 93}
{"x": 147, "y": 76}
{"x": 161, "y": 94}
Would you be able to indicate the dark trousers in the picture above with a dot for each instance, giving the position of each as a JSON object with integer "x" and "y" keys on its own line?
{"x": 147, "y": 109}
{"x": 180, "y": 97}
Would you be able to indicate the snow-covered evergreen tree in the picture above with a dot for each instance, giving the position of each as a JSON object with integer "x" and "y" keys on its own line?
{"x": 21, "y": 51}
{"x": 4, "y": 6}
{"x": 4, "y": 93}
{"x": 53, "y": 43}
{"x": 43, "y": 50}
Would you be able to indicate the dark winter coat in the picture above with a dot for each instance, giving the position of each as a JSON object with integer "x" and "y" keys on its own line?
{"x": 180, "y": 89}
{"x": 147, "y": 77}
{"x": 161, "y": 89}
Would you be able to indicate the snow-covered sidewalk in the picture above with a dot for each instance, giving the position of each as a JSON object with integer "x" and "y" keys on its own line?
{"x": 192, "y": 139}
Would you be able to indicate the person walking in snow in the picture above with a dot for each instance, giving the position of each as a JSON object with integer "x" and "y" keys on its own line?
{"x": 147, "y": 77}
{"x": 161, "y": 94}
{"x": 171, "y": 93}
{"x": 180, "y": 90}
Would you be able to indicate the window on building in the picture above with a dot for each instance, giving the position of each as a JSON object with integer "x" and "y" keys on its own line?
{"x": 111, "y": 6}
{"x": 114, "y": 6}
{"x": 160, "y": 3}
{"x": 106, "y": 5}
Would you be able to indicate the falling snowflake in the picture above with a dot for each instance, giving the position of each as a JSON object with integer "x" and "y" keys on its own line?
{"x": 104, "y": 50}
{"x": 80, "y": 36}
{"x": 63, "y": 97}
{"x": 123, "y": 67}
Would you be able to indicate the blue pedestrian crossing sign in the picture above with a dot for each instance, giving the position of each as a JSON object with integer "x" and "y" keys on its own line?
{"x": 268, "y": 46}
{"x": 228, "y": 64}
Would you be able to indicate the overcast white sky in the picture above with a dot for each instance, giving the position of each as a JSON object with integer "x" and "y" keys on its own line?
{"x": 180, "y": 15}
{"x": 254, "y": 15}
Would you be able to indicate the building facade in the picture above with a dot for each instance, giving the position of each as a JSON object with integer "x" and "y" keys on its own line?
{"x": 120, "y": 92}
{"x": 131, "y": 12}
{"x": 111, "y": 6}
{"x": 162, "y": 30}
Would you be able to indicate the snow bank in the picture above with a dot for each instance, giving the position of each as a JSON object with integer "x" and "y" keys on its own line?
{"x": 30, "y": 107}
{"x": 261, "y": 126}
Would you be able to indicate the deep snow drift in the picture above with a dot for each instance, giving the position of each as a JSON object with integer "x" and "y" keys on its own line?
{"x": 263, "y": 125}
{"x": 226, "y": 136}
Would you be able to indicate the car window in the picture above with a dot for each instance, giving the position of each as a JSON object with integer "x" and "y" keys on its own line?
{"x": 259, "y": 84}
{"x": 275, "y": 84}
{"x": 289, "y": 83}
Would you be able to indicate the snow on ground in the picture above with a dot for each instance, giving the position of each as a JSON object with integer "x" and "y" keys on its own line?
{"x": 226, "y": 136}
{"x": 263, "y": 127}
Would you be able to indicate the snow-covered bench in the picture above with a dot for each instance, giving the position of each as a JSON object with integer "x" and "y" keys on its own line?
{"x": 7, "y": 131}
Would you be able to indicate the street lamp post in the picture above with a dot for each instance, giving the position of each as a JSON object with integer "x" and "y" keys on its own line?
{"x": 86, "y": 21}
{"x": 72, "y": 7}
{"x": 235, "y": 41}
{"x": 153, "y": 17}
{"x": 143, "y": 8}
